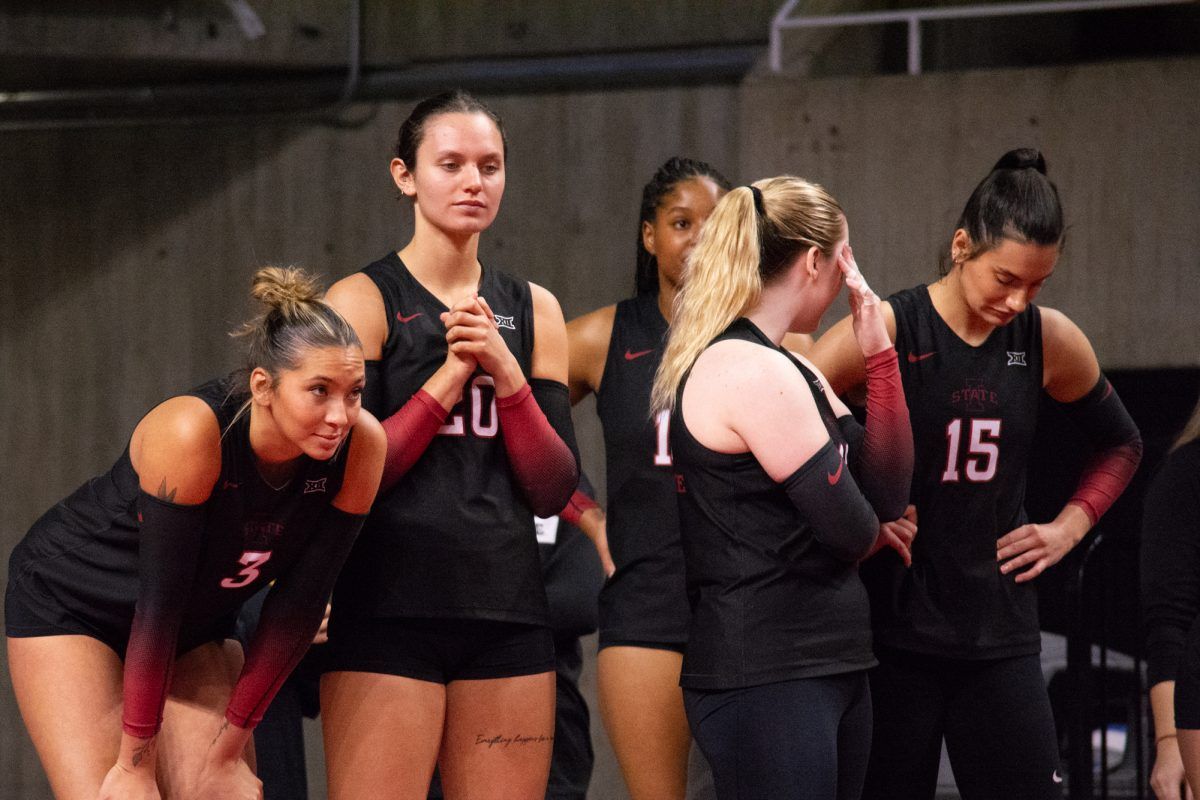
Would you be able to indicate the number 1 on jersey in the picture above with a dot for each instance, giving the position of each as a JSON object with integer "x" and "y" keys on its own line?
{"x": 983, "y": 454}
{"x": 662, "y": 430}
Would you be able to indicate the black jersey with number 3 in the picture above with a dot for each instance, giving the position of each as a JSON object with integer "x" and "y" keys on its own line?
{"x": 645, "y": 600}
{"x": 973, "y": 412}
{"x": 80, "y": 559}
{"x": 454, "y": 538}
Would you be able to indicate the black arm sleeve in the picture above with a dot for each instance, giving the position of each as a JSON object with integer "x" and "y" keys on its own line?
{"x": 374, "y": 398}
{"x": 169, "y": 542}
{"x": 555, "y": 401}
{"x": 291, "y": 615}
{"x": 826, "y": 494}
{"x": 1170, "y": 561}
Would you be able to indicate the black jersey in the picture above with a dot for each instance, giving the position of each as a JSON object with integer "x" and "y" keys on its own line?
{"x": 769, "y": 602}
{"x": 645, "y": 600}
{"x": 454, "y": 538}
{"x": 79, "y": 561}
{"x": 973, "y": 413}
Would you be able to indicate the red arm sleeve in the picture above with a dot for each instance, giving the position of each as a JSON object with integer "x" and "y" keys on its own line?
{"x": 291, "y": 616}
{"x": 541, "y": 454}
{"x": 409, "y": 431}
{"x": 1103, "y": 418}
{"x": 577, "y": 506}
{"x": 884, "y": 462}
{"x": 169, "y": 541}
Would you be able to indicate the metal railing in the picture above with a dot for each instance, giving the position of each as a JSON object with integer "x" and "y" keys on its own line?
{"x": 913, "y": 17}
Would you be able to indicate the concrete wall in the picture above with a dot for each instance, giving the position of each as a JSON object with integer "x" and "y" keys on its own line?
{"x": 125, "y": 255}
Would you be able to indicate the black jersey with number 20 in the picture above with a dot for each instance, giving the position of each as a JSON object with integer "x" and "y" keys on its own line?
{"x": 973, "y": 412}
{"x": 454, "y": 538}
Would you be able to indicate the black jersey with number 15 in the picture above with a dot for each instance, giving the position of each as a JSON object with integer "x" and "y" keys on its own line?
{"x": 454, "y": 538}
{"x": 973, "y": 411}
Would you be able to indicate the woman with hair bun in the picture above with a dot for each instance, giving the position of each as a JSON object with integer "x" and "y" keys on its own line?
{"x": 780, "y": 495}
{"x": 122, "y": 599}
{"x": 957, "y": 633}
{"x": 440, "y": 646}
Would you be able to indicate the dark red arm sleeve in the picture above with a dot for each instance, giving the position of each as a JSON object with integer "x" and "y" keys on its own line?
{"x": 1102, "y": 417}
{"x": 577, "y": 506}
{"x": 882, "y": 462}
{"x": 409, "y": 431}
{"x": 540, "y": 444}
{"x": 290, "y": 617}
{"x": 169, "y": 542}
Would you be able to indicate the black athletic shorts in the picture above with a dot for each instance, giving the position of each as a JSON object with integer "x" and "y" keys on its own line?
{"x": 440, "y": 650}
{"x": 1187, "y": 682}
{"x": 29, "y": 613}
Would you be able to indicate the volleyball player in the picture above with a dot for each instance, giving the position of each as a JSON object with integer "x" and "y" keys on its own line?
{"x": 780, "y": 495}
{"x": 957, "y": 633}
{"x": 439, "y": 645}
{"x": 122, "y": 598}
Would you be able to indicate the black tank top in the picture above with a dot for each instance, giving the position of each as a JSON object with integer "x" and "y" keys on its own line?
{"x": 769, "y": 602}
{"x": 82, "y": 554}
{"x": 645, "y": 599}
{"x": 973, "y": 413}
{"x": 454, "y": 538}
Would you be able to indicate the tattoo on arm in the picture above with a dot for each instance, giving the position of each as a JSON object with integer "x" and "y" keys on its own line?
{"x": 142, "y": 752}
{"x": 224, "y": 725}
{"x": 163, "y": 494}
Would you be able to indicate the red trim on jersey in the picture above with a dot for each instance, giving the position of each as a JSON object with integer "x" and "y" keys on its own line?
{"x": 409, "y": 432}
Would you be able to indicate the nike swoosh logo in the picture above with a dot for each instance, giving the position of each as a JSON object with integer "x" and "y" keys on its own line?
{"x": 408, "y": 319}
{"x": 834, "y": 477}
{"x": 631, "y": 356}
{"x": 914, "y": 358}
{"x": 1056, "y": 777}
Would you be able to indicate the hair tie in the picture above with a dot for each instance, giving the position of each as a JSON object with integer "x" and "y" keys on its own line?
{"x": 758, "y": 200}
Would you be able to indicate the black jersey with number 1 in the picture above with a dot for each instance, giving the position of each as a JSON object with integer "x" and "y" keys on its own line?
{"x": 454, "y": 538}
{"x": 645, "y": 601}
{"x": 973, "y": 411}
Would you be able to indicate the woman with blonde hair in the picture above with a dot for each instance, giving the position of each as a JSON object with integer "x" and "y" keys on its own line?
{"x": 780, "y": 495}
{"x": 1170, "y": 567}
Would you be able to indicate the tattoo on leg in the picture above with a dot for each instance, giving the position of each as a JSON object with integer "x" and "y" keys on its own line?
{"x": 503, "y": 740}
{"x": 163, "y": 494}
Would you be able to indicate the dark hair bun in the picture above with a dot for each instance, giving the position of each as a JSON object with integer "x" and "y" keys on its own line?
{"x": 1022, "y": 158}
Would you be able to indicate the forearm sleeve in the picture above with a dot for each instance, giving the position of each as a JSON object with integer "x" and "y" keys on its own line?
{"x": 882, "y": 462}
{"x": 577, "y": 506}
{"x": 169, "y": 542}
{"x": 290, "y": 617}
{"x": 1102, "y": 417}
{"x": 830, "y": 501}
{"x": 540, "y": 441}
{"x": 1170, "y": 565}
{"x": 409, "y": 432}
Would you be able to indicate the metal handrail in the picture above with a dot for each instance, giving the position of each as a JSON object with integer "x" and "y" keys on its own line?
{"x": 915, "y": 16}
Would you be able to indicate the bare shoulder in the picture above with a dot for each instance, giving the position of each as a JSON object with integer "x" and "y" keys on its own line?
{"x": 549, "y": 336}
{"x": 357, "y": 298}
{"x": 592, "y": 330}
{"x": 1069, "y": 364}
{"x": 176, "y": 450}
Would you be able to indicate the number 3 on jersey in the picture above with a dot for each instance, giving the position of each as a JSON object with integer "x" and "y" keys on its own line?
{"x": 662, "y": 439}
{"x": 983, "y": 450}
{"x": 252, "y": 560}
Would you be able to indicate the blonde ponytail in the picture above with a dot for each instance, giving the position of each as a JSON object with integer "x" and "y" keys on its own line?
{"x": 741, "y": 249}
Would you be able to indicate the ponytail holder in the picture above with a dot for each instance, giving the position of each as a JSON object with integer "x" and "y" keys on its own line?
{"x": 758, "y": 200}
